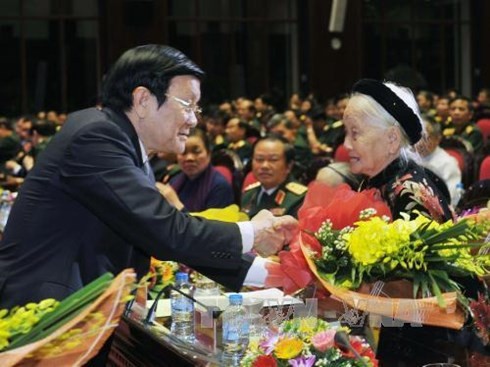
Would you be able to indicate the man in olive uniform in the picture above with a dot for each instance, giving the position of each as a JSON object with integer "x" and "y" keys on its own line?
{"x": 236, "y": 134}
{"x": 461, "y": 126}
{"x": 281, "y": 126}
{"x": 275, "y": 190}
{"x": 324, "y": 134}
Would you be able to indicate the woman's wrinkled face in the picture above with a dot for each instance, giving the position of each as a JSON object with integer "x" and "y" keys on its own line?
{"x": 368, "y": 145}
{"x": 195, "y": 158}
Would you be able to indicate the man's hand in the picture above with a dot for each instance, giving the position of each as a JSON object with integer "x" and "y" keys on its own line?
{"x": 272, "y": 233}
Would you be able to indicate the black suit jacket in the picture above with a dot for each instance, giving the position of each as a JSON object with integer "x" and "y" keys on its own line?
{"x": 87, "y": 207}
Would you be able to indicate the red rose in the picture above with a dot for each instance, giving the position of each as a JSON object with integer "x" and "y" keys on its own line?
{"x": 265, "y": 361}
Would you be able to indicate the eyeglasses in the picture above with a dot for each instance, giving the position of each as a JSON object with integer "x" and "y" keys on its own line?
{"x": 188, "y": 106}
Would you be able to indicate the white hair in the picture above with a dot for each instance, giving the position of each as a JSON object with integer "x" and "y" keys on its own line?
{"x": 373, "y": 113}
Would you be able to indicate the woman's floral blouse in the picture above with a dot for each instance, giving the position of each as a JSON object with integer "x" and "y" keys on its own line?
{"x": 406, "y": 188}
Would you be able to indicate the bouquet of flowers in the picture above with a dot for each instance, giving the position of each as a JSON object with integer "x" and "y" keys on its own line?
{"x": 161, "y": 274}
{"x": 429, "y": 254}
{"x": 66, "y": 333}
{"x": 308, "y": 342}
{"x": 348, "y": 242}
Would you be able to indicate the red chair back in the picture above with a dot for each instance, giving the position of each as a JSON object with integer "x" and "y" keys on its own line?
{"x": 225, "y": 171}
{"x": 485, "y": 169}
{"x": 249, "y": 179}
{"x": 341, "y": 154}
{"x": 459, "y": 157}
{"x": 484, "y": 125}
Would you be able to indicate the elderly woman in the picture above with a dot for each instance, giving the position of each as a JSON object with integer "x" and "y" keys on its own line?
{"x": 199, "y": 185}
{"x": 382, "y": 124}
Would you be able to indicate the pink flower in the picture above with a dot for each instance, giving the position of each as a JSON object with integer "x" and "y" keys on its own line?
{"x": 324, "y": 340}
{"x": 269, "y": 343}
{"x": 303, "y": 361}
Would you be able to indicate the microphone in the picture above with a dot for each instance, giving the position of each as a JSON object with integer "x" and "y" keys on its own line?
{"x": 342, "y": 339}
{"x": 150, "y": 317}
{"x": 129, "y": 305}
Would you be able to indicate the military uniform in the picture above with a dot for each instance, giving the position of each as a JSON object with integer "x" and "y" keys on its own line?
{"x": 470, "y": 134}
{"x": 243, "y": 149}
{"x": 302, "y": 150}
{"x": 286, "y": 199}
{"x": 218, "y": 142}
{"x": 333, "y": 134}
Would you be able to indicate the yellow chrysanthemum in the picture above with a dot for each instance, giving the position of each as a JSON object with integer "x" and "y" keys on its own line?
{"x": 376, "y": 240}
{"x": 288, "y": 348}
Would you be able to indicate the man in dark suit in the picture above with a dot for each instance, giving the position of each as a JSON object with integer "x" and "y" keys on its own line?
{"x": 90, "y": 204}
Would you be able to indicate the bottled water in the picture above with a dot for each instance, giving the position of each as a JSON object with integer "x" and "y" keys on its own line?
{"x": 5, "y": 206}
{"x": 235, "y": 331}
{"x": 182, "y": 309}
{"x": 459, "y": 194}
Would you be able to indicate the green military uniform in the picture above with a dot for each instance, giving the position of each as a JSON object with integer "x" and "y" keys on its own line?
{"x": 470, "y": 134}
{"x": 243, "y": 148}
{"x": 444, "y": 123}
{"x": 302, "y": 152}
{"x": 286, "y": 199}
{"x": 332, "y": 134}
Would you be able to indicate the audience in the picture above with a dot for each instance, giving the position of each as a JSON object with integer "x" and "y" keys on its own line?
{"x": 313, "y": 131}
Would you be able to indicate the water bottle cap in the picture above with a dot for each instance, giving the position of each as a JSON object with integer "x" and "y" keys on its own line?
{"x": 181, "y": 277}
{"x": 235, "y": 299}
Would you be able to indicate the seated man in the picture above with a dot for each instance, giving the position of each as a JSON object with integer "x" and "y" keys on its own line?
{"x": 437, "y": 159}
{"x": 275, "y": 190}
{"x": 462, "y": 127}
{"x": 236, "y": 134}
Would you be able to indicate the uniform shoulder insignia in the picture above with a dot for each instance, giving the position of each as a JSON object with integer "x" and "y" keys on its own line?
{"x": 252, "y": 186}
{"x": 469, "y": 129}
{"x": 337, "y": 124}
{"x": 219, "y": 140}
{"x": 449, "y": 131}
{"x": 296, "y": 188}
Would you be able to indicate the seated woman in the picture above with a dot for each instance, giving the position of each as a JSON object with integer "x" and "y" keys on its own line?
{"x": 382, "y": 124}
{"x": 198, "y": 186}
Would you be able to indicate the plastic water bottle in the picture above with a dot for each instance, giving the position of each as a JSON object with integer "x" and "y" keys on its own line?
{"x": 459, "y": 193}
{"x": 235, "y": 331}
{"x": 5, "y": 206}
{"x": 182, "y": 309}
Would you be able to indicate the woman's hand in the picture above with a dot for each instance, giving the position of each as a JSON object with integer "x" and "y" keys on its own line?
{"x": 170, "y": 195}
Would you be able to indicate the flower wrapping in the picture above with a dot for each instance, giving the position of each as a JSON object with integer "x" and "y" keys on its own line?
{"x": 79, "y": 340}
{"x": 419, "y": 311}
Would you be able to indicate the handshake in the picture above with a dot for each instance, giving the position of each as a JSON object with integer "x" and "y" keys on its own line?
{"x": 272, "y": 233}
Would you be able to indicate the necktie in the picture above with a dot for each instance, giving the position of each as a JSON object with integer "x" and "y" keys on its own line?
{"x": 264, "y": 199}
